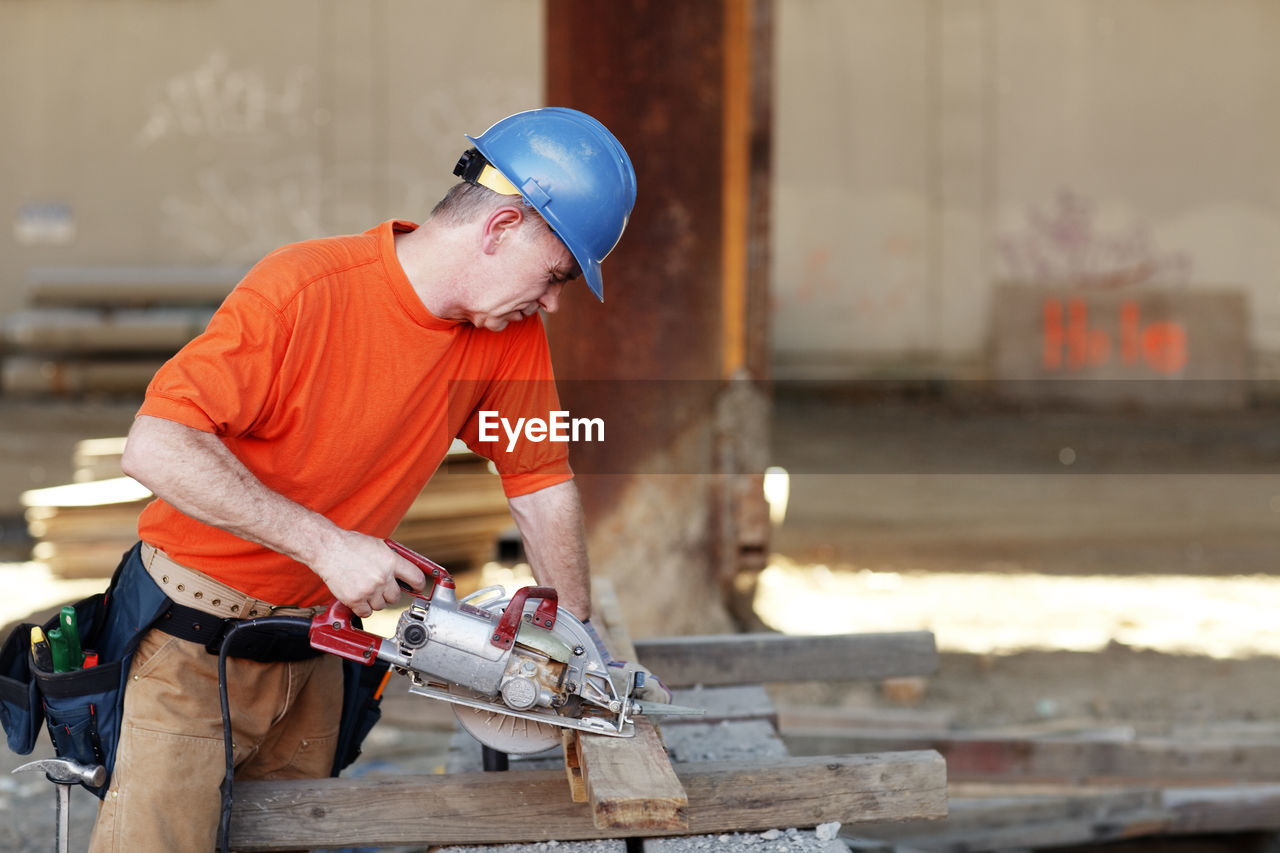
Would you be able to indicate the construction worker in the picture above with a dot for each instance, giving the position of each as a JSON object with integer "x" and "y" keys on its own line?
{"x": 286, "y": 442}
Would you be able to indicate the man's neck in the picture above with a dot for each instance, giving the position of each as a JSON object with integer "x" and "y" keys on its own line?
{"x": 429, "y": 257}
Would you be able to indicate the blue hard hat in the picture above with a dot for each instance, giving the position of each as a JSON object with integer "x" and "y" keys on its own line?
{"x": 574, "y": 172}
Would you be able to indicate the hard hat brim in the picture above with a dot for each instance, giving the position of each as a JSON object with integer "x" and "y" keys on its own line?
{"x": 591, "y": 272}
{"x": 589, "y": 266}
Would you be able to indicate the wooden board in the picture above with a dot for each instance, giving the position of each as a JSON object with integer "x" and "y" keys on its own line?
{"x": 800, "y": 717}
{"x": 481, "y": 496}
{"x": 573, "y": 766}
{"x": 119, "y": 286}
{"x": 74, "y": 330}
{"x": 77, "y": 560}
{"x": 1222, "y": 809}
{"x": 1014, "y": 818}
{"x": 754, "y": 658}
{"x": 32, "y": 375}
{"x": 122, "y": 490}
{"x": 995, "y": 817}
{"x": 498, "y": 808}
{"x": 1077, "y": 758}
{"x": 65, "y": 524}
{"x": 630, "y": 782}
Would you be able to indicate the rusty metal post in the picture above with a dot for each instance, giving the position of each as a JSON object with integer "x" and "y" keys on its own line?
{"x": 686, "y": 88}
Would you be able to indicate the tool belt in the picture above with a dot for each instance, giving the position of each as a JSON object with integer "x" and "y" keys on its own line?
{"x": 82, "y": 710}
{"x": 203, "y": 610}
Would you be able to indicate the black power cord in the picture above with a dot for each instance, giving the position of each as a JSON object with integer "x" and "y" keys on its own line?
{"x": 299, "y": 623}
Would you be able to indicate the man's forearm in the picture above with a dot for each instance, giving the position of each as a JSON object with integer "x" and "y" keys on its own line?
{"x": 195, "y": 472}
{"x": 550, "y": 521}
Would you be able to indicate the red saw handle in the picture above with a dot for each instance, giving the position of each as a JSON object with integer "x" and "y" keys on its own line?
{"x": 504, "y": 636}
{"x": 436, "y": 574}
{"x": 332, "y": 631}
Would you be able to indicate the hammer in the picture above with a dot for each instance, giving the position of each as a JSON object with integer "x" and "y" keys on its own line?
{"x": 63, "y": 772}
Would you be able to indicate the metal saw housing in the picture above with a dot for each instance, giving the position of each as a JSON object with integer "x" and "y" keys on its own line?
{"x": 519, "y": 656}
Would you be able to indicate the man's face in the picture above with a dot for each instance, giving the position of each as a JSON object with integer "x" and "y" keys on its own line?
{"x": 527, "y": 275}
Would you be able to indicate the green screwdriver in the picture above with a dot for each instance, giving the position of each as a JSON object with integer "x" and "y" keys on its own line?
{"x": 58, "y": 650}
{"x": 71, "y": 636}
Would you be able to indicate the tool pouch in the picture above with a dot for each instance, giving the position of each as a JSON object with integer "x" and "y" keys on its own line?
{"x": 82, "y": 709}
{"x": 20, "y": 710}
{"x": 77, "y": 705}
{"x": 361, "y": 709}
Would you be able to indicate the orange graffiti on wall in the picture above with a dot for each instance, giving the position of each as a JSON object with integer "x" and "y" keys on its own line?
{"x": 1072, "y": 345}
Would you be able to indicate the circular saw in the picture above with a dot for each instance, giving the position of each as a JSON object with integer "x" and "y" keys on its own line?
{"x": 518, "y": 670}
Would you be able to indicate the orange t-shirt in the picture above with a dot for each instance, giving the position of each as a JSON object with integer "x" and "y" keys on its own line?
{"x": 326, "y": 375}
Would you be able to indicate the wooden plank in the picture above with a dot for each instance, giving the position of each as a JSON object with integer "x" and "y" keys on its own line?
{"x": 118, "y": 521}
{"x": 573, "y": 766}
{"x": 76, "y": 560}
{"x": 73, "y": 330}
{"x": 630, "y": 782}
{"x": 484, "y": 499}
{"x": 1005, "y": 817}
{"x": 121, "y": 490}
{"x": 715, "y": 660}
{"x": 1009, "y": 816}
{"x": 1076, "y": 758}
{"x": 451, "y": 528}
{"x": 32, "y": 375}
{"x": 608, "y": 620}
{"x": 89, "y": 449}
{"x": 499, "y": 808}
{"x": 1223, "y": 809}
{"x": 800, "y": 717}
{"x": 113, "y": 287}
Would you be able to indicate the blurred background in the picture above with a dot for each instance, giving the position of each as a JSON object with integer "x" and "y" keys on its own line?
{"x": 956, "y": 315}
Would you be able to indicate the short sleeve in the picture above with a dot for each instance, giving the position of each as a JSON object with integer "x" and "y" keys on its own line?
{"x": 517, "y": 422}
{"x": 224, "y": 380}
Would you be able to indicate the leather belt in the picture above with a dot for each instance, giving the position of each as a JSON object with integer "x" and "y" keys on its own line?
{"x": 196, "y": 590}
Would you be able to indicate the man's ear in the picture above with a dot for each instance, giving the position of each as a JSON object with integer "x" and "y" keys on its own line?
{"x": 500, "y": 225}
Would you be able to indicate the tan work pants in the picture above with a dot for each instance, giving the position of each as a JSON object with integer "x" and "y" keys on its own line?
{"x": 170, "y": 761}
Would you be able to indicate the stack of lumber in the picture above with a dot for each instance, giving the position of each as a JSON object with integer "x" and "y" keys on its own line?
{"x": 458, "y": 517}
{"x": 81, "y": 529}
{"x": 106, "y": 329}
{"x": 1065, "y": 781}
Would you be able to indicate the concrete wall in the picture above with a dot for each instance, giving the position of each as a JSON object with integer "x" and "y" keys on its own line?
{"x": 211, "y": 131}
{"x": 925, "y": 149}
{"x": 930, "y": 148}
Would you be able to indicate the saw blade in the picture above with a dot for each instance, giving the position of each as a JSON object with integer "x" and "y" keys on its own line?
{"x": 505, "y": 733}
